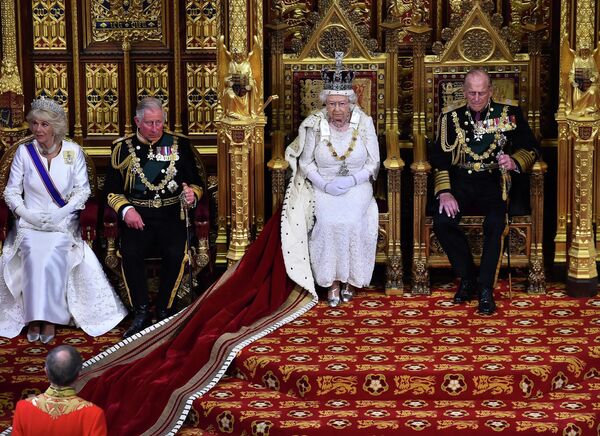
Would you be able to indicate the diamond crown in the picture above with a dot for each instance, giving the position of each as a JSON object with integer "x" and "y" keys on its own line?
{"x": 47, "y": 104}
{"x": 339, "y": 79}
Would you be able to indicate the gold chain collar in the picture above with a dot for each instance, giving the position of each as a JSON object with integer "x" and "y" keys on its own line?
{"x": 348, "y": 151}
{"x": 170, "y": 172}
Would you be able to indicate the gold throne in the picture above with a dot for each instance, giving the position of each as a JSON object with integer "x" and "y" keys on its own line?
{"x": 476, "y": 41}
{"x": 298, "y": 80}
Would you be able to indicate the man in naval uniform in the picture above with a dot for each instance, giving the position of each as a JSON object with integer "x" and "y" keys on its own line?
{"x": 476, "y": 148}
{"x": 151, "y": 179}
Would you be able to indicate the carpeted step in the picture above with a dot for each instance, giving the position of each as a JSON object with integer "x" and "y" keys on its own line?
{"x": 391, "y": 348}
{"x": 240, "y": 407}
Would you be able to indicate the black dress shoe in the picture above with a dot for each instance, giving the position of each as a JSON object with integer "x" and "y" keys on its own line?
{"x": 161, "y": 314}
{"x": 487, "y": 306}
{"x": 141, "y": 320}
{"x": 466, "y": 291}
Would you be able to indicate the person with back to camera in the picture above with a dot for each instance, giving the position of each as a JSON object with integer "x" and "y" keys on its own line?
{"x": 338, "y": 152}
{"x": 48, "y": 274}
{"x": 477, "y": 147}
{"x": 58, "y": 411}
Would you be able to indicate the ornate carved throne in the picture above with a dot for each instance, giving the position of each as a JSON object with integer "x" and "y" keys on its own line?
{"x": 477, "y": 41}
{"x": 298, "y": 81}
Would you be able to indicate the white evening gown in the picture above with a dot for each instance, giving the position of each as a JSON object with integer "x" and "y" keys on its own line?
{"x": 52, "y": 275}
{"x": 343, "y": 240}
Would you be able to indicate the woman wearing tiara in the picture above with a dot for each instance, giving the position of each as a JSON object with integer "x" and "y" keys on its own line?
{"x": 338, "y": 152}
{"x": 48, "y": 274}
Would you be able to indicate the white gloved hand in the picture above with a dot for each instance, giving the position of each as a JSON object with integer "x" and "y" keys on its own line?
{"x": 316, "y": 179}
{"x": 361, "y": 176}
{"x": 38, "y": 219}
{"x": 58, "y": 215}
{"x": 344, "y": 182}
{"x": 337, "y": 186}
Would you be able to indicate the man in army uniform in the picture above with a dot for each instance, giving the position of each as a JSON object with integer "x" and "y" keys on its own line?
{"x": 151, "y": 179}
{"x": 477, "y": 147}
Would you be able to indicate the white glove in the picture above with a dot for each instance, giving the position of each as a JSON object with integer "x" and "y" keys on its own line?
{"x": 36, "y": 218}
{"x": 344, "y": 182}
{"x": 317, "y": 180}
{"x": 333, "y": 188}
{"x": 58, "y": 215}
{"x": 361, "y": 176}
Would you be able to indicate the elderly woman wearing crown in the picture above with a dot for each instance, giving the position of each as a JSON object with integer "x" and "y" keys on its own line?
{"x": 334, "y": 159}
{"x": 48, "y": 275}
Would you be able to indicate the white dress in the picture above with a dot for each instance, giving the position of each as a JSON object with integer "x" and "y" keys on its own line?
{"x": 343, "y": 241}
{"x": 52, "y": 275}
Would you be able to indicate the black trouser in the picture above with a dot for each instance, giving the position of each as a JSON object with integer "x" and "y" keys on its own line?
{"x": 479, "y": 194}
{"x": 164, "y": 236}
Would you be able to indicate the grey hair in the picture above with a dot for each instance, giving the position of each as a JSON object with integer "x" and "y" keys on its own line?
{"x": 149, "y": 103}
{"x": 57, "y": 121}
{"x": 63, "y": 365}
{"x": 477, "y": 72}
{"x": 352, "y": 98}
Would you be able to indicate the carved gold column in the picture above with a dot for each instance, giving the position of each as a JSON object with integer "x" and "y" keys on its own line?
{"x": 393, "y": 164}
{"x": 239, "y": 137}
{"x": 564, "y": 157}
{"x": 420, "y": 166}
{"x": 10, "y": 79}
{"x": 277, "y": 165}
{"x": 77, "y": 130}
{"x": 537, "y": 277}
{"x": 127, "y": 80}
{"x": 582, "y": 278}
{"x": 177, "y": 62}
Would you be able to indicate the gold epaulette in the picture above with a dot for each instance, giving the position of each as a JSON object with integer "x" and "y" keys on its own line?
{"x": 123, "y": 138}
{"x": 454, "y": 106}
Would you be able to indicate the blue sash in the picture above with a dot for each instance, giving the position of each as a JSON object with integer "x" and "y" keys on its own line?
{"x": 41, "y": 169}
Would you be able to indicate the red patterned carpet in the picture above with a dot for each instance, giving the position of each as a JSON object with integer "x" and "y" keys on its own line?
{"x": 390, "y": 365}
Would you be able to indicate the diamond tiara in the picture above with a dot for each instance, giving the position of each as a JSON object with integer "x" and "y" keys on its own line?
{"x": 47, "y": 104}
{"x": 339, "y": 79}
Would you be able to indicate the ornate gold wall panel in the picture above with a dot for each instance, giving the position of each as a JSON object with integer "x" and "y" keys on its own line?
{"x": 202, "y": 97}
{"x": 117, "y": 20}
{"x": 49, "y": 24}
{"x": 51, "y": 80}
{"x": 152, "y": 80}
{"x": 202, "y": 24}
{"x": 102, "y": 98}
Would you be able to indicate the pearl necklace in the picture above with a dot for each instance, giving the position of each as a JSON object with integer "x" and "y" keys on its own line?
{"x": 47, "y": 151}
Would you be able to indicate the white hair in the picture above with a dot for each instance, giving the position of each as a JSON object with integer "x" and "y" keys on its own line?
{"x": 149, "y": 103}
{"x": 352, "y": 98}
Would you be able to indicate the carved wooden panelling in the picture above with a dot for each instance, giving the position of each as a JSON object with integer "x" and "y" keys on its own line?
{"x": 49, "y": 24}
{"x": 102, "y": 98}
{"x": 202, "y": 98}
{"x": 201, "y": 24}
{"x": 51, "y": 80}
{"x": 152, "y": 80}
